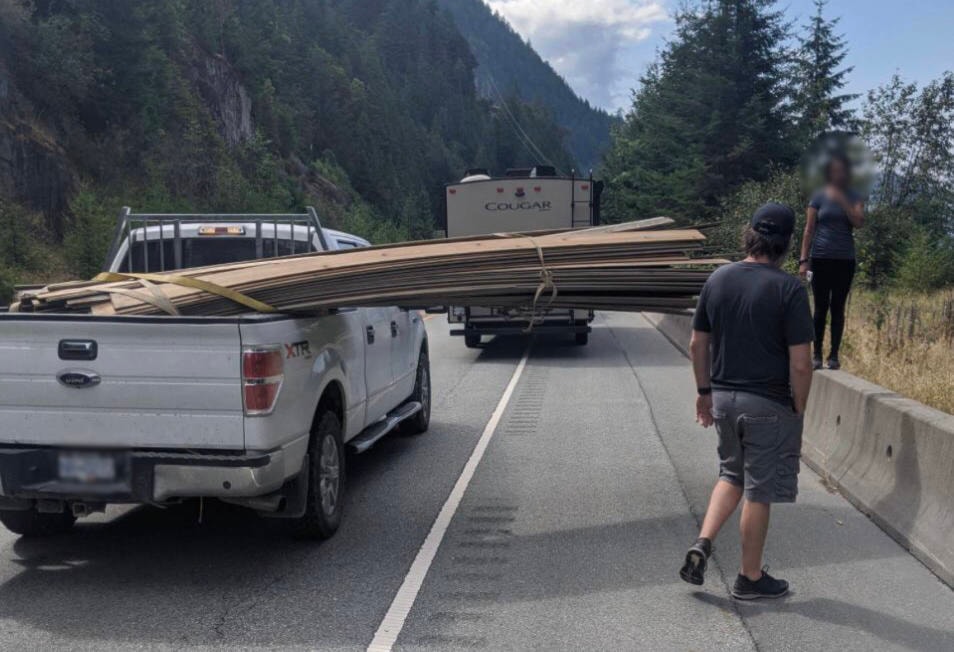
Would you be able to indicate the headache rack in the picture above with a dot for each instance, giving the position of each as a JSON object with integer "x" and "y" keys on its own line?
{"x": 134, "y": 227}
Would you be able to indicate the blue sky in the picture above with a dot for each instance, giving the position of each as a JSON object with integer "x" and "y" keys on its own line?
{"x": 602, "y": 46}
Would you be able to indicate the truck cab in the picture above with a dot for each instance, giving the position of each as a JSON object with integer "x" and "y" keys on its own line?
{"x": 522, "y": 200}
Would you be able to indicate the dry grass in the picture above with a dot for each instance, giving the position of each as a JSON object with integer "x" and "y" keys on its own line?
{"x": 905, "y": 342}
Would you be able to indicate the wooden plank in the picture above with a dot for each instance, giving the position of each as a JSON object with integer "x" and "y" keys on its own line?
{"x": 628, "y": 266}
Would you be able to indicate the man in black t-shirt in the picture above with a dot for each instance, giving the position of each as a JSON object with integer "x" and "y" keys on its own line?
{"x": 751, "y": 356}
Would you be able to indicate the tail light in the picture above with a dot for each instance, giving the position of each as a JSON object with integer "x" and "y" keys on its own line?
{"x": 263, "y": 370}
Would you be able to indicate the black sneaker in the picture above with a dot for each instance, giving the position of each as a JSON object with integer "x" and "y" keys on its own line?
{"x": 694, "y": 570}
{"x": 766, "y": 587}
{"x": 817, "y": 362}
{"x": 833, "y": 363}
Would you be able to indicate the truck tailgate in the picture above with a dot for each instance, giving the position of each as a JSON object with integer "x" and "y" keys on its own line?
{"x": 162, "y": 383}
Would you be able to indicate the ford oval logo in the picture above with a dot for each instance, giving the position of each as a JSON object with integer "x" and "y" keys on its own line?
{"x": 79, "y": 379}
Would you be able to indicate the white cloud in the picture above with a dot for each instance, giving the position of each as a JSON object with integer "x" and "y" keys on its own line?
{"x": 587, "y": 41}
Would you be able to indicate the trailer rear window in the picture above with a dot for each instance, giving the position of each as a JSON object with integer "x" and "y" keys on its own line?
{"x": 204, "y": 251}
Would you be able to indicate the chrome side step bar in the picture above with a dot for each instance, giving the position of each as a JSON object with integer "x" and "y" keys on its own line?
{"x": 373, "y": 433}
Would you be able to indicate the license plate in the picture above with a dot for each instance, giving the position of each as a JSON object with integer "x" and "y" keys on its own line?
{"x": 87, "y": 467}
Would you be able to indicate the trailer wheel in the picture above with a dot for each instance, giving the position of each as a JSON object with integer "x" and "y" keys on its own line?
{"x": 326, "y": 481}
{"x": 422, "y": 394}
{"x": 31, "y": 523}
{"x": 472, "y": 340}
{"x": 582, "y": 339}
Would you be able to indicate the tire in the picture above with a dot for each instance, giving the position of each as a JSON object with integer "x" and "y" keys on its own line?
{"x": 422, "y": 394}
{"x": 472, "y": 341}
{"x": 582, "y": 339}
{"x": 326, "y": 481}
{"x": 31, "y": 523}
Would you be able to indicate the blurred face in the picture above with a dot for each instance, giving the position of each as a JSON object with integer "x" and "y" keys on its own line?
{"x": 838, "y": 174}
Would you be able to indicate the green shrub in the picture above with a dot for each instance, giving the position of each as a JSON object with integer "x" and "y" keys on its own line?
{"x": 23, "y": 236}
{"x": 88, "y": 234}
{"x": 881, "y": 244}
{"x": 926, "y": 264}
{"x": 783, "y": 187}
{"x": 361, "y": 220}
{"x": 7, "y": 281}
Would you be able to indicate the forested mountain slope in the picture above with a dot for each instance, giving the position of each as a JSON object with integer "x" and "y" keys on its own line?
{"x": 509, "y": 64}
{"x": 364, "y": 107}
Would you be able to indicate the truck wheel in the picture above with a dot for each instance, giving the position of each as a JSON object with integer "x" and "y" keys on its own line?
{"x": 422, "y": 394}
{"x": 31, "y": 523}
{"x": 326, "y": 481}
{"x": 471, "y": 341}
{"x": 582, "y": 339}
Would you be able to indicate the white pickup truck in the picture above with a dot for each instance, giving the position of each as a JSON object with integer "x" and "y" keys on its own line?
{"x": 255, "y": 410}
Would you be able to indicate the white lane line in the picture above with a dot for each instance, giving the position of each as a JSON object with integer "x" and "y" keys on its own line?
{"x": 393, "y": 622}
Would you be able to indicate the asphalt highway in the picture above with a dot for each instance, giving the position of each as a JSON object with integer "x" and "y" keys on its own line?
{"x": 563, "y": 531}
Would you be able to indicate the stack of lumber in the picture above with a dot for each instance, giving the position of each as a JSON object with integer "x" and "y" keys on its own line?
{"x": 641, "y": 267}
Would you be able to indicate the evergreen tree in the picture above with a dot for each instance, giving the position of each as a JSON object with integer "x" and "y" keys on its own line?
{"x": 910, "y": 131}
{"x": 817, "y": 78}
{"x": 707, "y": 116}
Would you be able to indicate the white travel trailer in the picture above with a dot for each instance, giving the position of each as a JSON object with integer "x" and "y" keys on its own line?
{"x": 530, "y": 199}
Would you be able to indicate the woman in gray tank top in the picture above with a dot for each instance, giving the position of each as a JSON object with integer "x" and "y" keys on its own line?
{"x": 828, "y": 251}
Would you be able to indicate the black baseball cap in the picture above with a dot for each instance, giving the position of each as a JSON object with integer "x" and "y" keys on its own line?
{"x": 774, "y": 220}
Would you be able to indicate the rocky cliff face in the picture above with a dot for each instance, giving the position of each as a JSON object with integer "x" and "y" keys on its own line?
{"x": 222, "y": 91}
{"x": 34, "y": 169}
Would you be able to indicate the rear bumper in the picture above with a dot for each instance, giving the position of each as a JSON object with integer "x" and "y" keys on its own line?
{"x": 494, "y": 325}
{"x": 519, "y": 328}
{"x": 475, "y": 315}
{"x": 28, "y": 474}
{"x": 494, "y": 321}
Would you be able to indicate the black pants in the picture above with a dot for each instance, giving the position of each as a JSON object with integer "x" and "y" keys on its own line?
{"x": 831, "y": 282}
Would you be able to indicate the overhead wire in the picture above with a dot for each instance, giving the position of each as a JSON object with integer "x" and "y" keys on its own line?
{"x": 519, "y": 131}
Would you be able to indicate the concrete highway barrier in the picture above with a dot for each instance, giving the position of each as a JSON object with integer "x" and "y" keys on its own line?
{"x": 676, "y": 328}
{"x": 892, "y": 457}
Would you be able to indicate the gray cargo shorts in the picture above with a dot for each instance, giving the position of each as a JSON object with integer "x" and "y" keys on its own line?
{"x": 760, "y": 443}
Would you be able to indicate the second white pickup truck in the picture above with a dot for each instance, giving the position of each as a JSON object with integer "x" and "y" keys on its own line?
{"x": 255, "y": 410}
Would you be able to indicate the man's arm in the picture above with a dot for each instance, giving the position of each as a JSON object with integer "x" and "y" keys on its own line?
{"x": 702, "y": 369}
{"x": 800, "y": 374}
